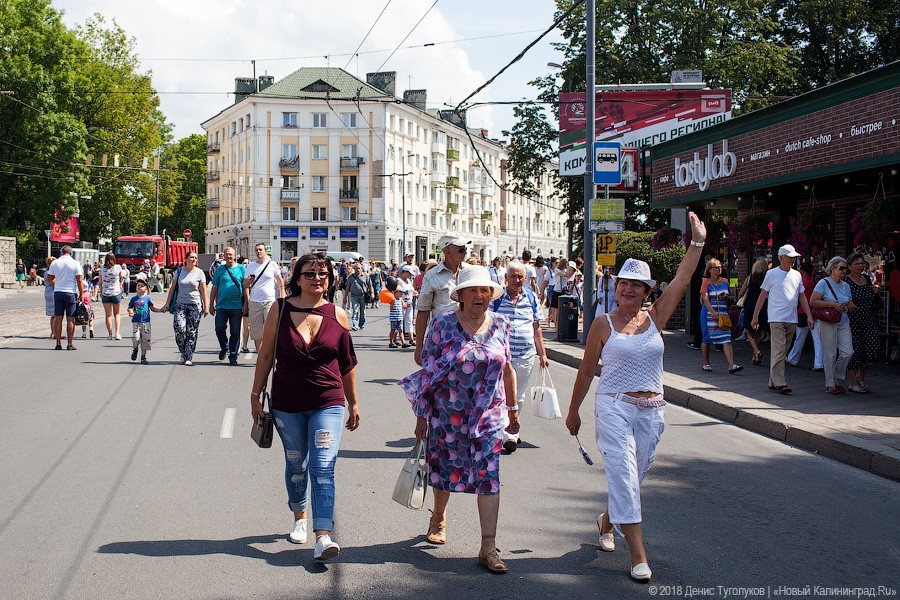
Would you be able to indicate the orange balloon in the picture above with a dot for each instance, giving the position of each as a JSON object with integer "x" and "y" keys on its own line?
{"x": 386, "y": 296}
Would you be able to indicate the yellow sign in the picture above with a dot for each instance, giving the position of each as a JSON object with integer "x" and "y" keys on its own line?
{"x": 608, "y": 210}
{"x": 606, "y": 243}
{"x": 606, "y": 260}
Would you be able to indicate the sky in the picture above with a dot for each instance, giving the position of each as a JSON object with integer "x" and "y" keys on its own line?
{"x": 283, "y": 37}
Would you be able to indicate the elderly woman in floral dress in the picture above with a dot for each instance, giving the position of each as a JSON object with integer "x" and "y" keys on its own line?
{"x": 460, "y": 397}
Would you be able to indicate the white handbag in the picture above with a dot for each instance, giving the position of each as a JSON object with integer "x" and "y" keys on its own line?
{"x": 544, "y": 403}
{"x": 412, "y": 483}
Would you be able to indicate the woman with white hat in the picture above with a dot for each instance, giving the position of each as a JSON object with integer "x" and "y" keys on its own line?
{"x": 460, "y": 397}
{"x": 629, "y": 401}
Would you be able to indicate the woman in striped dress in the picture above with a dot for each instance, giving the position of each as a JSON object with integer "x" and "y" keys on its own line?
{"x": 714, "y": 296}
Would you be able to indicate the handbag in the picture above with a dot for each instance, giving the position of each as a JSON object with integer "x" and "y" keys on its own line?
{"x": 829, "y": 314}
{"x": 81, "y": 315}
{"x": 544, "y": 402}
{"x": 411, "y": 484}
{"x": 262, "y": 430}
{"x": 175, "y": 293}
{"x": 724, "y": 321}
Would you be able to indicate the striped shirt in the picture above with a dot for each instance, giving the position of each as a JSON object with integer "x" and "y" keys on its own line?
{"x": 521, "y": 316}
{"x": 396, "y": 313}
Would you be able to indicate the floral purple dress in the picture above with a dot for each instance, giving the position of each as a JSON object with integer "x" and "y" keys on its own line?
{"x": 460, "y": 391}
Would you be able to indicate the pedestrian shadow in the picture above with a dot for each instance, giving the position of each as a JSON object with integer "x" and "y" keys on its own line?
{"x": 382, "y": 381}
{"x": 275, "y": 550}
{"x": 401, "y": 443}
{"x": 371, "y": 454}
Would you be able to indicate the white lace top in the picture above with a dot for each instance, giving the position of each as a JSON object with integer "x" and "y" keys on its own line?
{"x": 632, "y": 363}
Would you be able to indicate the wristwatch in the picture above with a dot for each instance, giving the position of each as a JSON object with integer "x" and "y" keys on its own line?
{"x": 512, "y": 408}
{"x": 698, "y": 244}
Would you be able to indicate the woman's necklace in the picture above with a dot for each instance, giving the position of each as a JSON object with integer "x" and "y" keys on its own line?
{"x": 473, "y": 325}
{"x": 633, "y": 320}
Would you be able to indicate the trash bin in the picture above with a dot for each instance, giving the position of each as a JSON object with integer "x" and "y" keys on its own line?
{"x": 567, "y": 319}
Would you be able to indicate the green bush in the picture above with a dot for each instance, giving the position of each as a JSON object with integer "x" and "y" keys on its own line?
{"x": 663, "y": 263}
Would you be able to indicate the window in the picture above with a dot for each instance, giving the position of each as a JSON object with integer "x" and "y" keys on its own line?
{"x": 247, "y": 121}
{"x": 289, "y": 181}
{"x": 348, "y": 213}
{"x": 348, "y": 151}
{"x": 289, "y": 119}
{"x": 233, "y": 127}
{"x": 318, "y": 183}
{"x": 318, "y": 213}
{"x": 289, "y": 150}
{"x": 320, "y": 152}
{"x": 241, "y": 124}
{"x": 391, "y": 154}
{"x": 348, "y": 182}
{"x": 288, "y": 213}
{"x": 409, "y": 128}
{"x": 349, "y": 119}
{"x": 320, "y": 119}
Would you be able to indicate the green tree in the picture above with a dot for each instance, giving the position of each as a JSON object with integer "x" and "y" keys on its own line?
{"x": 183, "y": 188}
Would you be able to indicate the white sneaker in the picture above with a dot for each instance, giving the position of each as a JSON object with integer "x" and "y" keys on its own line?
{"x": 84, "y": 335}
{"x": 188, "y": 363}
{"x": 325, "y": 548}
{"x": 298, "y": 533}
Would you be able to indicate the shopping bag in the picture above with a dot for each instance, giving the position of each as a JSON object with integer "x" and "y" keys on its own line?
{"x": 412, "y": 484}
{"x": 544, "y": 403}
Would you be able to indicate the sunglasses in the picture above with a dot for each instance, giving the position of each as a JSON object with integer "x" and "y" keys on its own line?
{"x": 311, "y": 275}
{"x": 584, "y": 453}
{"x": 842, "y": 268}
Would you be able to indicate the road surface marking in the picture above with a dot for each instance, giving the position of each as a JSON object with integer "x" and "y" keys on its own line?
{"x": 228, "y": 424}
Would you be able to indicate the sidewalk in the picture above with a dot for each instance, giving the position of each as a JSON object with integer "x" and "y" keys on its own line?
{"x": 862, "y": 430}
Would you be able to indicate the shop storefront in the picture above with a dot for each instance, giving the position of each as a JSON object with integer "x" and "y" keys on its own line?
{"x": 819, "y": 171}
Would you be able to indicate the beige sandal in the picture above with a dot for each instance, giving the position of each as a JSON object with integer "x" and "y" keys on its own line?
{"x": 437, "y": 530}
{"x": 491, "y": 561}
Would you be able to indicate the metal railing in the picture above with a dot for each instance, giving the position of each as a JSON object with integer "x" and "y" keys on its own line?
{"x": 452, "y": 182}
{"x": 212, "y": 148}
{"x": 288, "y": 162}
{"x": 212, "y": 176}
{"x": 352, "y": 162}
{"x": 290, "y": 193}
{"x": 452, "y": 154}
{"x": 350, "y": 194}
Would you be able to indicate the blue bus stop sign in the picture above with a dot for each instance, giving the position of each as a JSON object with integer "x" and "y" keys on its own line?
{"x": 607, "y": 163}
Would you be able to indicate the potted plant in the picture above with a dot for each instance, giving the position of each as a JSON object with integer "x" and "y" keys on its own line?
{"x": 750, "y": 233}
{"x": 810, "y": 231}
{"x": 872, "y": 225}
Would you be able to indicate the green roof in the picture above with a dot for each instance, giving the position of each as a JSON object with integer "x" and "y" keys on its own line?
{"x": 322, "y": 82}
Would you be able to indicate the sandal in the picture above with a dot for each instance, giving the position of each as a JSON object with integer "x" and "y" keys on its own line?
{"x": 491, "y": 561}
{"x": 757, "y": 358}
{"x": 781, "y": 389}
{"x": 735, "y": 369}
{"x": 437, "y": 530}
{"x": 707, "y": 367}
{"x": 857, "y": 389}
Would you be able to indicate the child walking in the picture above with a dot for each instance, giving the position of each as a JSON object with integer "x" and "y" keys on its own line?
{"x": 86, "y": 300}
{"x": 139, "y": 308}
{"x": 396, "y": 318}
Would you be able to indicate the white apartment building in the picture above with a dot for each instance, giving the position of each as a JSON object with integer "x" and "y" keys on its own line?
{"x": 323, "y": 161}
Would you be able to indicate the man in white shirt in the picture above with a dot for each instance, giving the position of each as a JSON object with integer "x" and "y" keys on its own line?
{"x": 266, "y": 284}
{"x": 439, "y": 281}
{"x": 606, "y": 293}
{"x": 67, "y": 279}
{"x": 530, "y": 272}
{"x": 783, "y": 286}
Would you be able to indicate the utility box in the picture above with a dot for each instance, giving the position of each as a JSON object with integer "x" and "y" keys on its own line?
{"x": 567, "y": 319}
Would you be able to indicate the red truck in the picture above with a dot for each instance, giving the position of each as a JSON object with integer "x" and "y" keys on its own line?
{"x": 132, "y": 250}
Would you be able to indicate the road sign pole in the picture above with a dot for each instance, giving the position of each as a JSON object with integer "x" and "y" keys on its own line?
{"x": 590, "y": 259}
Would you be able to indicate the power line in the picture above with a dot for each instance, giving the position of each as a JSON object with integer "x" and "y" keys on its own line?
{"x": 406, "y": 36}
{"x": 365, "y": 37}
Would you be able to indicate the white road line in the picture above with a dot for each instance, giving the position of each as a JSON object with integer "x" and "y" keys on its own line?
{"x": 228, "y": 423}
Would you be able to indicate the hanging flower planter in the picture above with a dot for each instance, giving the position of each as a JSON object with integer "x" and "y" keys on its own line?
{"x": 811, "y": 231}
{"x": 750, "y": 233}
{"x": 665, "y": 238}
{"x": 872, "y": 226}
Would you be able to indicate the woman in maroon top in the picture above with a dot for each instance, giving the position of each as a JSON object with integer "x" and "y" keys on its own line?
{"x": 314, "y": 373}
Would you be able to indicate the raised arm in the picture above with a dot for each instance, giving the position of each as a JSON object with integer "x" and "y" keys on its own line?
{"x": 663, "y": 308}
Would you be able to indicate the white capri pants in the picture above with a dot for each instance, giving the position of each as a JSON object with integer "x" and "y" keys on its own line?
{"x": 523, "y": 367}
{"x": 408, "y": 328}
{"x": 627, "y": 437}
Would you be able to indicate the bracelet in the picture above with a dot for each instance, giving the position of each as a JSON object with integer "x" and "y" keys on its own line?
{"x": 512, "y": 408}
{"x": 698, "y": 244}
{"x": 254, "y": 394}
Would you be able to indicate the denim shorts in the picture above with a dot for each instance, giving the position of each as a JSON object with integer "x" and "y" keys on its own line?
{"x": 111, "y": 299}
{"x": 396, "y": 325}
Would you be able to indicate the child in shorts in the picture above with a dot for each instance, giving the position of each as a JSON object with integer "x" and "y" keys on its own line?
{"x": 396, "y": 318}
{"x": 86, "y": 300}
{"x": 139, "y": 308}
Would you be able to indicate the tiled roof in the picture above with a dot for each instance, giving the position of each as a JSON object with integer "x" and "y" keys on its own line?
{"x": 299, "y": 83}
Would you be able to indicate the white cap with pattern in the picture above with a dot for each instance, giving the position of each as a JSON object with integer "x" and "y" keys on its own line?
{"x": 637, "y": 270}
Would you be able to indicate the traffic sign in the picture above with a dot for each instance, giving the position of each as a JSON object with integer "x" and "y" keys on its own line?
{"x": 187, "y": 233}
{"x": 606, "y": 242}
{"x": 606, "y": 260}
{"x": 607, "y": 163}
{"x": 608, "y": 215}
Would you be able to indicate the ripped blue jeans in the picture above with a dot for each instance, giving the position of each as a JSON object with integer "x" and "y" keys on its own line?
{"x": 311, "y": 440}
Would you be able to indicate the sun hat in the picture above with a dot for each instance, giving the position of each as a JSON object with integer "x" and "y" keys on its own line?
{"x": 637, "y": 270}
{"x": 475, "y": 276}
{"x": 573, "y": 264}
{"x": 407, "y": 269}
{"x": 452, "y": 240}
{"x": 788, "y": 250}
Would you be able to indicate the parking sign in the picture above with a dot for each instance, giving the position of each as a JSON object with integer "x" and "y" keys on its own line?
{"x": 607, "y": 163}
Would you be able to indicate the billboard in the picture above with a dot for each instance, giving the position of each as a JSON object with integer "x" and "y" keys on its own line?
{"x": 66, "y": 231}
{"x": 636, "y": 119}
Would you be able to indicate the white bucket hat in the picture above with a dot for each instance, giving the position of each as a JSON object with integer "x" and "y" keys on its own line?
{"x": 475, "y": 276}
{"x": 637, "y": 270}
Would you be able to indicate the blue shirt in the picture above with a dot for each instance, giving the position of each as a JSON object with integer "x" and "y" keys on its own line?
{"x": 521, "y": 316}
{"x": 229, "y": 293}
{"x": 841, "y": 294}
{"x": 141, "y": 306}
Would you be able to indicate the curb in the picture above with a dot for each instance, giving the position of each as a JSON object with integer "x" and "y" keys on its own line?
{"x": 876, "y": 458}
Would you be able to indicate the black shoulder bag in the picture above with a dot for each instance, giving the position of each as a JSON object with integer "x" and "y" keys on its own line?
{"x": 263, "y": 428}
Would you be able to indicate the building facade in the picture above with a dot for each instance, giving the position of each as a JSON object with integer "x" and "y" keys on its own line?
{"x": 323, "y": 161}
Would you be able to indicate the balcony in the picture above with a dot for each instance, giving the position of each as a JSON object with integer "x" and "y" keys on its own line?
{"x": 474, "y": 186}
{"x": 487, "y": 188}
{"x": 212, "y": 204}
{"x": 289, "y": 162}
{"x": 352, "y": 162}
{"x": 212, "y": 176}
{"x": 437, "y": 207}
{"x": 487, "y": 215}
{"x": 350, "y": 194}
{"x": 452, "y": 208}
{"x": 292, "y": 194}
{"x": 452, "y": 154}
{"x": 438, "y": 178}
{"x": 452, "y": 182}
{"x": 439, "y": 147}
{"x": 289, "y": 125}
{"x": 212, "y": 148}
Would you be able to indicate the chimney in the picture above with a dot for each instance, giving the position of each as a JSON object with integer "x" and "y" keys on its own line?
{"x": 265, "y": 81}
{"x": 415, "y": 98}
{"x": 386, "y": 81}
{"x": 243, "y": 87}
{"x": 451, "y": 116}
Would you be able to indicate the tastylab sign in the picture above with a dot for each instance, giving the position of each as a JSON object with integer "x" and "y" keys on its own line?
{"x": 700, "y": 171}
{"x": 636, "y": 119}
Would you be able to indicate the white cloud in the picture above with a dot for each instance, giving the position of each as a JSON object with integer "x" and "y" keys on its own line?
{"x": 266, "y": 30}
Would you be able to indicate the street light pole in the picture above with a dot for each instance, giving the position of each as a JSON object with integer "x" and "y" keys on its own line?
{"x": 590, "y": 258}
{"x": 156, "y": 219}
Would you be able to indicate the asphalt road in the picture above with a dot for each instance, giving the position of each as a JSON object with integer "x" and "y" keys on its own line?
{"x": 117, "y": 483}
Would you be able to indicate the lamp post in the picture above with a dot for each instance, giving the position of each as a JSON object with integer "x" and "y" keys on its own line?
{"x": 590, "y": 257}
{"x": 158, "y": 167}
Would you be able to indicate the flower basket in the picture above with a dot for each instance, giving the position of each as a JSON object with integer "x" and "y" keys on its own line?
{"x": 665, "y": 238}
{"x": 872, "y": 226}
{"x": 750, "y": 233}
{"x": 811, "y": 231}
